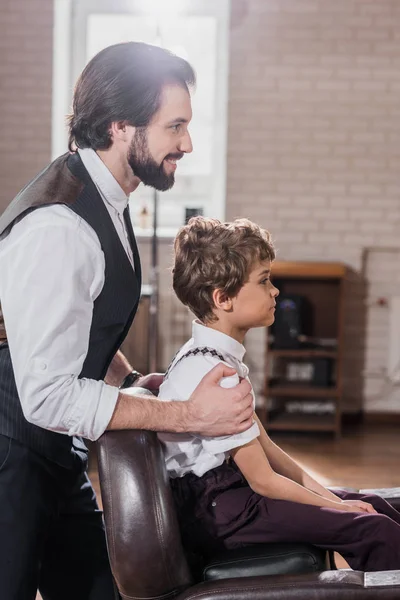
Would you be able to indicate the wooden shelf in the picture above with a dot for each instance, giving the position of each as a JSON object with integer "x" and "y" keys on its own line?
{"x": 301, "y": 422}
{"x": 309, "y": 353}
{"x": 308, "y": 270}
{"x": 302, "y": 391}
{"x": 323, "y": 286}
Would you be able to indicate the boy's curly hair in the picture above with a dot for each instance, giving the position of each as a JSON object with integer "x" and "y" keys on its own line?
{"x": 211, "y": 255}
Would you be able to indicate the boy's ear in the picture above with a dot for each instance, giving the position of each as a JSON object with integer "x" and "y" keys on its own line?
{"x": 222, "y": 300}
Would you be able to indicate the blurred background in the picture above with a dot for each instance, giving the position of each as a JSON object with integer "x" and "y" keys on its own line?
{"x": 296, "y": 126}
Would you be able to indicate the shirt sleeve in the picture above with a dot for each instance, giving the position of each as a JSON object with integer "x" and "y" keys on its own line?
{"x": 181, "y": 383}
{"x": 226, "y": 443}
{"x": 52, "y": 270}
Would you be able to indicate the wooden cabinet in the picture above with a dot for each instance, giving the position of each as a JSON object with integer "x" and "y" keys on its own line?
{"x": 303, "y": 383}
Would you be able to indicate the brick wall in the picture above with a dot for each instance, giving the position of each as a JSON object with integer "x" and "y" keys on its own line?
{"x": 313, "y": 131}
{"x": 313, "y": 150}
{"x": 314, "y": 134}
{"x": 25, "y": 92}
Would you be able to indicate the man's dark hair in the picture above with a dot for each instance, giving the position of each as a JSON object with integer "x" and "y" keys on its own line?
{"x": 123, "y": 82}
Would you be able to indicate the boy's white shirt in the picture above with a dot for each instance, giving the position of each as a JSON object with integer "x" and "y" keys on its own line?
{"x": 185, "y": 453}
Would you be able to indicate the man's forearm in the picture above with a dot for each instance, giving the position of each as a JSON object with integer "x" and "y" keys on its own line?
{"x": 142, "y": 412}
{"x": 211, "y": 410}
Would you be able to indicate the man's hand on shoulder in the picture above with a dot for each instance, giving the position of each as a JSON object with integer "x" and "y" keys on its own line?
{"x": 215, "y": 411}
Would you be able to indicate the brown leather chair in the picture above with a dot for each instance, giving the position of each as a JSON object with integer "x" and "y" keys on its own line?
{"x": 149, "y": 562}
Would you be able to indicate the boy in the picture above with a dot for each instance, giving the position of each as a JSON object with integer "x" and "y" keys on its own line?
{"x": 243, "y": 489}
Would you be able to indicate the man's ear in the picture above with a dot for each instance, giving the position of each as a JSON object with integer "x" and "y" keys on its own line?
{"x": 221, "y": 300}
{"x": 121, "y": 130}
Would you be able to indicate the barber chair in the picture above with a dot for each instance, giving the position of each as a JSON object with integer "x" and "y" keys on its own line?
{"x": 149, "y": 562}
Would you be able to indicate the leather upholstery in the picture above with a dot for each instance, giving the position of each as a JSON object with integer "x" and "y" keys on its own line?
{"x": 267, "y": 559}
{"x": 329, "y": 585}
{"x": 149, "y": 563}
{"x": 143, "y": 537}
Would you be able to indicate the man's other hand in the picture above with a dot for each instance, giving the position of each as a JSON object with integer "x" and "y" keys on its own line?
{"x": 150, "y": 382}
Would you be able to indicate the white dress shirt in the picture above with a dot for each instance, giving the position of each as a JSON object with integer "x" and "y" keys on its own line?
{"x": 185, "y": 453}
{"x": 111, "y": 192}
{"x": 51, "y": 272}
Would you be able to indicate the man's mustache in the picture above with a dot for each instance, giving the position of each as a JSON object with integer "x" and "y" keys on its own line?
{"x": 176, "y": 156}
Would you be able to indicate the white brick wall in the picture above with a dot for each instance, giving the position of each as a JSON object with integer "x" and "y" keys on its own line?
{"x": 25, "y": 92}
{"x": 314, "y": 147}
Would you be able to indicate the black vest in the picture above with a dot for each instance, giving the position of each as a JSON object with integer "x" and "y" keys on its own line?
{"x": 66, "y": 181}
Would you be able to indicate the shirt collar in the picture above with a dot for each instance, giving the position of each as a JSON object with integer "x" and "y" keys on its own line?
{"x": 205, "y": 336}
{"x": 108, "y": 186}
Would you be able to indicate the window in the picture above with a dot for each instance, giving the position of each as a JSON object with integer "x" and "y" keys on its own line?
{"x": 199, "y": 33}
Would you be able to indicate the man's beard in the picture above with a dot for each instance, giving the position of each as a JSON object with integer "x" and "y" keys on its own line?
{"x": 145, "y": 167}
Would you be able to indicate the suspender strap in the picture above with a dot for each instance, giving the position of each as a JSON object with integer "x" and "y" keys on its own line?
{"x": 202, "y": 351}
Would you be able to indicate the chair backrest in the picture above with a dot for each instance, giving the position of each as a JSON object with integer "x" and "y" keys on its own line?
{"x": 144, "y": 543}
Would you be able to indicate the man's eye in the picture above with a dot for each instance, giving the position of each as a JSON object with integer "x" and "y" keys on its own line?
{"x": 176, "y": 127}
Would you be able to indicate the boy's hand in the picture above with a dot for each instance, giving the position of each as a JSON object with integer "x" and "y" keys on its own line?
{"x": 150, "y": 382}
{"x": 215, "y": 411}
{"x": 358, "y": 506}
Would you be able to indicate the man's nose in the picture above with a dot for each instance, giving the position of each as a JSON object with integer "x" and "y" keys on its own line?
{"x": 186, "y": 144}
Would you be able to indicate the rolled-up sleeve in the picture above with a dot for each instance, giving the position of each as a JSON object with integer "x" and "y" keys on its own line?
{"x": 52, "y": 270}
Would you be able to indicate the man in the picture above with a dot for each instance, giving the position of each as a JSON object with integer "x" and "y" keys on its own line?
{"x": 69, "y": 287}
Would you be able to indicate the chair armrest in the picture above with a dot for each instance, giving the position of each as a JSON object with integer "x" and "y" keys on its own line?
{"x": 391, "y": 495}
{"x": 344, "y": 584}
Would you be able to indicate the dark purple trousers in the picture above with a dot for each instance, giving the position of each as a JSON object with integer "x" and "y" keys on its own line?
{"x": 220, "y": 510}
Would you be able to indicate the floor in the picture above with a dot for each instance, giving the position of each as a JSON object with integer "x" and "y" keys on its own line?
{"x": 364, "y": 457}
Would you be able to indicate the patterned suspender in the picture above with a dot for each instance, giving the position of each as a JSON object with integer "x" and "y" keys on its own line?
{"x": 203, "y": 350}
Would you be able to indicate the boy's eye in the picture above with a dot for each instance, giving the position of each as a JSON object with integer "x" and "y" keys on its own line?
{"x": 176, "y": 127}
{"x": 264, "y": 281}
